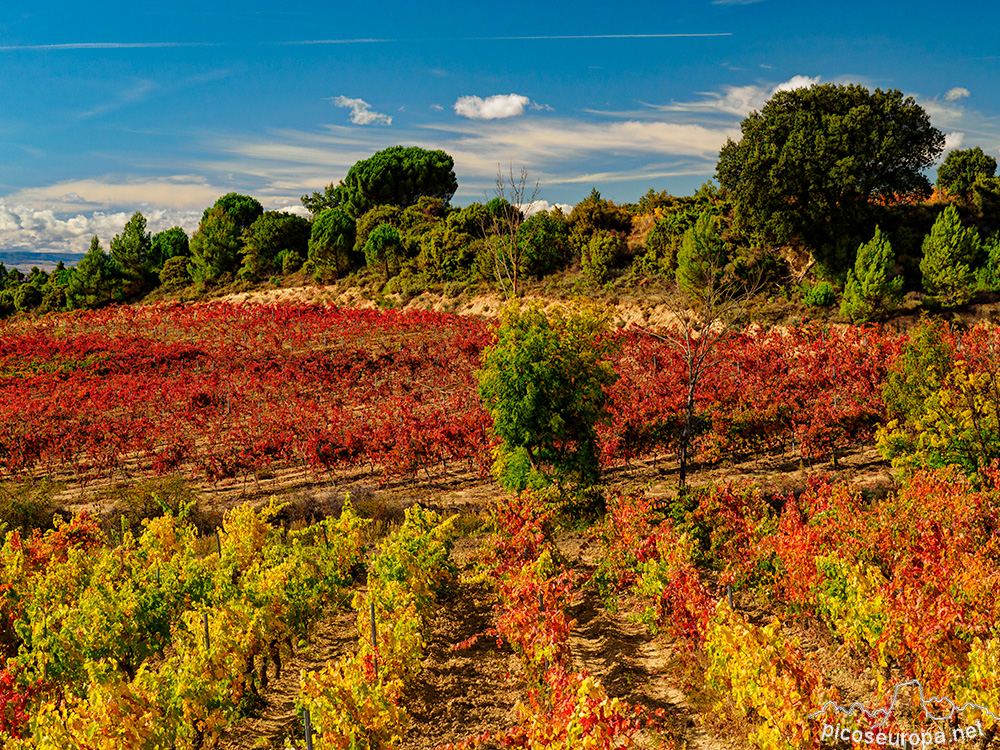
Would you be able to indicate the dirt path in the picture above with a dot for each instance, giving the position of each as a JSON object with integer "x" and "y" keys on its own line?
{"x": 632, "y": 665}
{"x": 278, "y": 719}
{"x": 465, "y": 692}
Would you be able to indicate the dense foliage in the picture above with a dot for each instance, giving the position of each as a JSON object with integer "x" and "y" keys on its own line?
{"x": 811, "y": 163}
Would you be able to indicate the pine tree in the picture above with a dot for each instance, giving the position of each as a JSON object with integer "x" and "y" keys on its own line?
{"x": 131, "y": 252}
{"x": 702, "y": 257}
{"x": 870, "y": 287}
{"x": 92, "y": 282}
{"x": 384, "y": 248}
{"x": 216, "y": 246}
{"x": 331, "y": 241}
{"x": 950, "y": 252}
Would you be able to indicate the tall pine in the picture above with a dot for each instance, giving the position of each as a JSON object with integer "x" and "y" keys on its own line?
{"x": 92, "y": 282}
{"x": 131, "y": 252}
{"x": 950, "y": 253}
{"x": 871, "y": 288}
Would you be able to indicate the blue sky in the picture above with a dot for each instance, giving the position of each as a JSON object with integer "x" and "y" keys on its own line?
{"x": 115, "y": 107}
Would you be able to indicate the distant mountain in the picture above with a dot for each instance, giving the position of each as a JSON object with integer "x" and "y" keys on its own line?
{"x": 24, "y": 259}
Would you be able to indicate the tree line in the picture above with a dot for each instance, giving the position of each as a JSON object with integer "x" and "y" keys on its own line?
{"x": 824, "y": 196}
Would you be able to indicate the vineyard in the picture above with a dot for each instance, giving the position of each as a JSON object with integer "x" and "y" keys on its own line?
{"x": 733, "y": 616}
{"x": 226, "y": 393}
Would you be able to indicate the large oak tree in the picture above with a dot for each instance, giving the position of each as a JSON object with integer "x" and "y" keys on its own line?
{"x": 814, "y": 163}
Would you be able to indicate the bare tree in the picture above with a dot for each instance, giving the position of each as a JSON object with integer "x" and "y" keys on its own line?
{"x": 502, "y": 238}
{"x": 704, "y": 316}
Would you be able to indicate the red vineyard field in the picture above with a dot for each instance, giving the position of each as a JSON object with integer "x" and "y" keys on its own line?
{"x": 222, "y": 391}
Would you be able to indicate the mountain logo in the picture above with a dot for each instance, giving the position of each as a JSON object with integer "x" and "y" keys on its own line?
{"x": 936, "y": 709}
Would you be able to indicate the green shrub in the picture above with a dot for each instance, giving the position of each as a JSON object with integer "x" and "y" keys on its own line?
{"x": 821, "y": 294}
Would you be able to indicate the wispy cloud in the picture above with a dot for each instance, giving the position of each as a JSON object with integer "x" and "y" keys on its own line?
{"x": 956, "y": 93}
{"x": 102, "y": 45}
{"x": 177, "y": 192}
{"x": 494, "y": 107}
{"x": 361, "y": 111}
{"x": 598, "y": 36}
{"x": 137, "y": 92}
{"x": 336, "y": 41}
{"x": 739, "y": 100}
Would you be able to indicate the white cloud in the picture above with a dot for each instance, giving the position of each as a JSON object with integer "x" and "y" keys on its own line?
{"x": 740, "y": 100}
{"x": 64, "y": 216}
{"x": 42, "y": 229}
{"x": 538, "y": 142}
{"x": 952, "y": 141}
{"x": 492, "y": 107}
{"x": 178, "y": 192}
{"x": 956, "y": 93}
{"x": 538, "y": 206}
{"x": 361, "y": 111}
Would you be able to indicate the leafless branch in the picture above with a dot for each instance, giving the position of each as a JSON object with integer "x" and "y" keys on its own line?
{"x": 506, "y": 247}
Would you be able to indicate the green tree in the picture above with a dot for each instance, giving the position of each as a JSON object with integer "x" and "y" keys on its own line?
{"x": 331, "y": 197}
{"x": 243, "y": 210}
{"x": 474, "y": 220}
{"x": 662, "y": 243}
{"x": 384, "y": 248}
{"x": 544, "y": 384}
{"x": 216, "y": 246}
{"x": 986, "y": 200}
{"x": 331, "y": 241}
{"x": 544, "y": 237}
{"x": 399, "y": 175}
{"x": 131, "y": 254}
{"x": 813, "y": 163}
{"x": 170, "y": 243}
{"x": 175, "y": 272}
{"x": 943, "y": 410}
{"x": 601, "y": 253}
{"x": 960, "y": 170}
{"x": 595, "y": 214}
{"x": 53, "y": 297}
{"x": 422, "y": 216}
{"x": 445, "y": 254}
{"x": 27, "y": 298}
{"x": 92, "y": 282}
{"x": 988, "y": 276}
{"x": 392, "y": 215}
{"x": 871, "y": 288}
{"x": 702, "y": 257}
{"x": 950, "y": 253}
{"x": 273, "y": 234}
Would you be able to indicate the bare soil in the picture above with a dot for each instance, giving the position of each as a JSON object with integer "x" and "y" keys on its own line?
{"x": 278, "y": 719}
